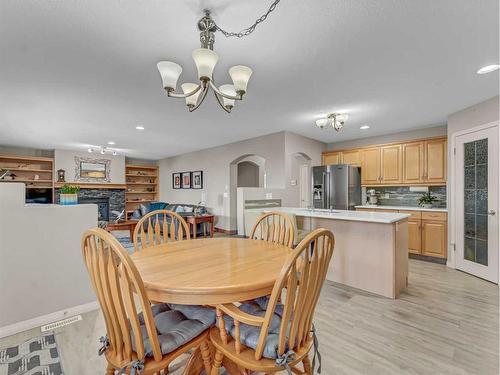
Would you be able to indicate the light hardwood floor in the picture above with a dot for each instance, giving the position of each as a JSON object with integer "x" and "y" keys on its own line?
{"x": 445, "y": 323}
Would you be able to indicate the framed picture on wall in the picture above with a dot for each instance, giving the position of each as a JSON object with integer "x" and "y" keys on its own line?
{"x": 176, "y": 180}
{"x": 186, "y": 180}
{"x": 197, "y": 179}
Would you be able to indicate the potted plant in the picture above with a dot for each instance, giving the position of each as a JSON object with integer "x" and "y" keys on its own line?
{"x": 69, "y": 194}
{"x": 426, "y": 200}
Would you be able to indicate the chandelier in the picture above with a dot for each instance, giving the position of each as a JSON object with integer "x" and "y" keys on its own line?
{"x": 336, "y": 120}
{"x": 205, "y": 59}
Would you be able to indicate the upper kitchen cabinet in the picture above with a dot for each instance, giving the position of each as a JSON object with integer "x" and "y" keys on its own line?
{"x": 391, "y": 164}
{"x": 421, "y": 162}
{"x": 370, "y": 166}
{"x": 435, "y": 161}
{"x": 352, "y": 157}
{"x": 413, "y": 162}
{"x": 330, "y": 158}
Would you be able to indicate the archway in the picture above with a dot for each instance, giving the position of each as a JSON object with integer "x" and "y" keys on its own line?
{"x": 300, "y": 172}
{"x": 242, "y": 163}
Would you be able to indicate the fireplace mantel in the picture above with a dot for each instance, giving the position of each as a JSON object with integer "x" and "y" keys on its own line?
{"x": 89, "y": 185}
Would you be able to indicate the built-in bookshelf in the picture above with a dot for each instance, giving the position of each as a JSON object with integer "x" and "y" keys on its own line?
{"x": 37, "y": 174}
{"x": 142, "y": 186}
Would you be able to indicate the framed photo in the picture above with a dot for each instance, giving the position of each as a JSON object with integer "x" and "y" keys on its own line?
{"x": 197, "y": 179}
{"x": 176, "y": 180}
{"x": 92, "y": 170}
{"x": 186, "y": 180}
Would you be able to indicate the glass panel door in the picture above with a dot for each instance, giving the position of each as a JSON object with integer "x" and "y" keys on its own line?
{"x": 476, "y": 201}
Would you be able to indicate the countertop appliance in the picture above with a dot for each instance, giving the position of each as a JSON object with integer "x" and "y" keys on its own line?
{"x": 336, "y": 186}
{"x": 372, "y": 197}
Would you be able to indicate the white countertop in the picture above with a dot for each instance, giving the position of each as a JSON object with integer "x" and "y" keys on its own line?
{"x": 406, "y": 208}
{"x": 369, "y": 217}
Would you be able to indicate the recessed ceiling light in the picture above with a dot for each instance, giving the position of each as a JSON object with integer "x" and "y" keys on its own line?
{"x": 111, "y": 143}
{"x": 139, "y": 127}
{"x": 488, "y": 69}
{"x": 364, "y": 127}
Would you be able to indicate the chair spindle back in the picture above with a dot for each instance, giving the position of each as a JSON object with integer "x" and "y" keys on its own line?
{"x": 274, "y": 227}
{"x": 158, "y": 227}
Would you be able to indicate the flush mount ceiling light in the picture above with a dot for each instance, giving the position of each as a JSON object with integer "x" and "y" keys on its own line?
{"x": 488, "y": 69}
{"x": 205, "y": 59}
{"x": 364, "y": 127}
{"x": 336, "y": 120}
{"x": 139, "y": 127}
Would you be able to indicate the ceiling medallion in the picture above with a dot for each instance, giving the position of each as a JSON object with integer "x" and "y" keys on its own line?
{"x": 205, "y": 59}
{"x": 336, "y": 120}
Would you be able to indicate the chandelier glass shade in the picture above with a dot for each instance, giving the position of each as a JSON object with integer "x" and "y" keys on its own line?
{"x": 205, "y": 60}
{"x": 336, "y": 120}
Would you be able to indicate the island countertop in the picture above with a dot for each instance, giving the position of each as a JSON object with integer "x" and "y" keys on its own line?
{"x": 363, "y": 216}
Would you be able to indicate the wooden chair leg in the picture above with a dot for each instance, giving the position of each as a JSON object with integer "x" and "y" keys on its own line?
{"x": 217, "y": 362}
{"x": 110, "y": 370}
{"x": 205, "y": 355}
{"x": 306, "y": 362}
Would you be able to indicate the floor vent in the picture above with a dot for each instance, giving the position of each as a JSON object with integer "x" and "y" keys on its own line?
{"x": 61, "y": 323}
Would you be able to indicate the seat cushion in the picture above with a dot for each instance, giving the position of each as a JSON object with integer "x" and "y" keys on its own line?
{"x": 176, "y": 325}
{"x": 249, "y": 335}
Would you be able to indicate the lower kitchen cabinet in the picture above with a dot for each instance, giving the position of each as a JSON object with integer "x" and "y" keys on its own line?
{"x": 434, "y": 238}
{"x": 427, "y": 231}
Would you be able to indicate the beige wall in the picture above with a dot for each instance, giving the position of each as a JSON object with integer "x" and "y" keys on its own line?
{"x": 41, "y": 266}
{"x": 215, "y": 162}
{"x": 65, "y": 159}
{"x": 429, "y": 132}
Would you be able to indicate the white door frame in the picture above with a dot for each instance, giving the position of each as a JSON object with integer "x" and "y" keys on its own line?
{"x": 450, "y": 188}
{"x": 304, "y": 172}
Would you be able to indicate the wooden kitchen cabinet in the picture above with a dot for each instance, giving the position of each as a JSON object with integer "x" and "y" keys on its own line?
{"x": 413, "y": 163}
{"x": 421, "y": 162}
{"x": 331, "y": 158}
{"x": 435, "y": 161}
{"x": 414, "y": 236}
{"x": 352, "y": 157}
{"x": 391, "y": 164}
{"x": 370, "y": 166}
{"x": 434, "y": 238}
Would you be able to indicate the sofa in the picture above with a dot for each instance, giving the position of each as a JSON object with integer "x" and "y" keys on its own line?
{"x": 183, "y": 210}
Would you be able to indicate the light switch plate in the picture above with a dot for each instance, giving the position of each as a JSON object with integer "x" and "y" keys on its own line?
{"x": 269, "y": 195}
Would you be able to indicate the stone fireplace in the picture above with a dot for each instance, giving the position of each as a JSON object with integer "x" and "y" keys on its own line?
{"x": 107, "y": 200}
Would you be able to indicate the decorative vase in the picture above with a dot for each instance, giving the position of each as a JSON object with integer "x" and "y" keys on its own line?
{"x": 68, "y": 199}
{"x": 427, "y": 205}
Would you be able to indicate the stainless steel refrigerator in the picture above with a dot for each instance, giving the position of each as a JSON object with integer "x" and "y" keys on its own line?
{"x": 336, "y": 186}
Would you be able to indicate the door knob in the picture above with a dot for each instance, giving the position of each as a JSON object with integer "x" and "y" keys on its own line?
{"x": 491, "y": 212}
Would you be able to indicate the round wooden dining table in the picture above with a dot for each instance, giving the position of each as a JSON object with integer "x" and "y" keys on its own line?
{"x": 210, "y": 271}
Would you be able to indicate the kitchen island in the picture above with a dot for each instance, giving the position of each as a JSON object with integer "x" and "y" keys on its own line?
{"x": 371, "y": 248}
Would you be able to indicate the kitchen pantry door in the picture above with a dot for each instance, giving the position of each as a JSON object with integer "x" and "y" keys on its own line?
{"x": 476, "y": 205}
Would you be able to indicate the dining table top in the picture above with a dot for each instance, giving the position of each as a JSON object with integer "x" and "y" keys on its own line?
{"x": 210, "y": 271}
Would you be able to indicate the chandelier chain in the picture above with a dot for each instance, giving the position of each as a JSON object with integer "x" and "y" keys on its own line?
{"x": 249, "y": 30}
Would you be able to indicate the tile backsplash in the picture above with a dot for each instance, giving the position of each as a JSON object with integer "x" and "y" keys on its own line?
{"x": 402, "y": 196}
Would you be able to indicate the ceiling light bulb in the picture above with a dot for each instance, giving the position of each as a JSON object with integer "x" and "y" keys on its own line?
{"x": 228, "y": 90}
{"x": 114, "y": 153}
{"x": 321, "y": 123}
{"x": 102, "y": 151}
{"x": 90, "y": 149}
{"x": 111, "y": 143}
{"x": 342, "y": 117}
{"x": 193, "y": 99}
{"x": 205, "y": 60}
{"x": 139, "y": 127}
{"x": 240, "y": 75}
{"x": 170, "y": 73}
{"x": 364, "y": 127}
{"x": 488, "y": 69}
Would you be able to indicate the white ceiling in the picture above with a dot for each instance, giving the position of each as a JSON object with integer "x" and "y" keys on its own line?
{"x": 78, "y": 73}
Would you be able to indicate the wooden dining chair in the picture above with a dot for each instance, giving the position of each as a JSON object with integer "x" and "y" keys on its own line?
{"x": 145, "y": 342}
{"x": 267, "y": 336}
{"x": 158, "y": 227}
{"x": 274, "y": 227}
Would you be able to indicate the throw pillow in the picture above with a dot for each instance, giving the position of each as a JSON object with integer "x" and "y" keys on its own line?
{"x": 144, "y": 210}
{"x": 188, "y": 208}
{"x": 155, "y": 206}
{"x": 179, "y": 209}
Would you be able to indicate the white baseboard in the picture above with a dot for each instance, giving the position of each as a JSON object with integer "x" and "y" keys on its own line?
{"x": 39, "y": 321}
